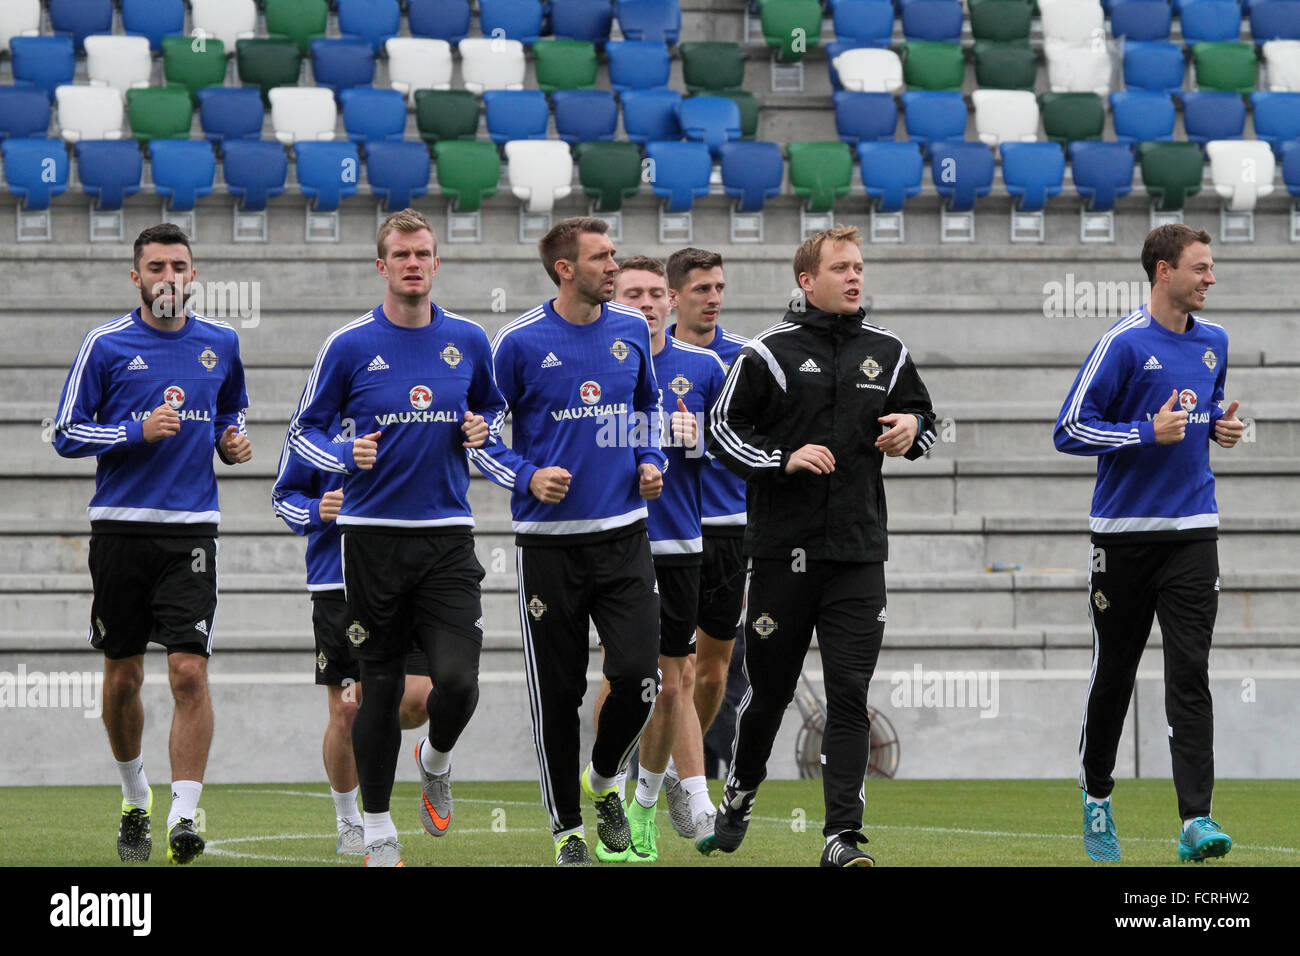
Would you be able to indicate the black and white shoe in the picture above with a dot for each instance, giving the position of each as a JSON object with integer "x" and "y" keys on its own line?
{"x": 842, "y": 850}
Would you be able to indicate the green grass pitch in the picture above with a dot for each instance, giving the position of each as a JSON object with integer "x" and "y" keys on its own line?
{"x": 910, "y": 823}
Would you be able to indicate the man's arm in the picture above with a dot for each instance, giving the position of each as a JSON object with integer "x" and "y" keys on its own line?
{"x": 77, "y": 434}
{"x": 497, "y": 461}
{"x": 230, "y": 431}
{"x": 296, "y": 497}
{"x": 647, "y": 400}
{"x": 737, "y": 423}
{"x": 322, "y": 404}
{"x": 908, "y": 413}
{"x": 1082, "y": 428}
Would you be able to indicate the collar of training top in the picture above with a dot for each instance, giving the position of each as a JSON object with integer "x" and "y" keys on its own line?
{"x": 816, "y": 318}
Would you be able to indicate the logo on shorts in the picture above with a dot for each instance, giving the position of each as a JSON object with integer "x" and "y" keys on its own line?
{"x": 1210, "y": 359}
{"x": 103, "y": 631}
{"x": 589, "y": 392}
{"x": 681, "y": 385}
{"x": 451, "y": 355}
{"x": 536, "y": 608}
{"x": 479, "y": 624}
{"x": 321, "y": 662}
{"x": 208, "y": 359}
{"x": 202, "y": 628}
{"x": 357, "y": 634}
{"x": 764, "y": 625}
{"x": 1100, "y": 600}
{"x": 421, "y": 397}
{"x": 619, "y": 350}
{"x": 174, "y": 396}
{"x": 1187, "y": 399}
{"x": 870, "y": 368}
{"x": 881, "y": 616}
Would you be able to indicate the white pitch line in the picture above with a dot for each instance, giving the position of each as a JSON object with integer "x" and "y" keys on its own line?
{"x": 326, "y": 796}
{"x": 218, "y": 847}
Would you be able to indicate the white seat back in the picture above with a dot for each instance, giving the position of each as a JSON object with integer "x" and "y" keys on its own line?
{"x": 89, "y": 112}
{"x": 302, "y": 113}
{"x": 541, "y": 171}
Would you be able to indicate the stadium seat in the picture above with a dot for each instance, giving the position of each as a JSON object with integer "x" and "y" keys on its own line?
{"x": 1070, "y": 117}
{"x": 751, "y": 173}
{"x": 1003, "y": 116}
{"x": 540, "y": 173}
{"x": 637, "y": 64}
{"x": 1003, "y": 20}
{"x": 468, "y": 173}
{"x": 1171, "y": 172}
{"x": 1277, "y": 118}
{"x": 182, "y": 170}
{"x": 160, "y": 113}
{"x": 1141, "y": 116}
{"x": 651, "y": 115}
{"x": 711, "y": 120}
{"x": 891, "y": 174}
{"x": 516, "y": 114}
{"x": 24, "y": 112}
{"x": 121, "y": 62}
{"x": 300, "y": 20}
{"x": 1077, "y": 67}
{"x": 609, "y": 173}
{"x": 193, "y": 68}
{"x": 656, "y": 20}
{"x": 1004, "y": 66}
{"x": 418, "y": 63}
{"x": 230, "y": 113}
{"x": 1155, "y": 66}
{"x": 1102, "y": 173}
{"x": 932, "y": 21}
{"x": 934, "y": 114}
{"x": 1141, "y": 20}
{"x": 1225, "y": 66}
{"x": 820, "y": 173}
{"x": 1242, "y": 171}
{"x": 584, "y": 115}
{"x": 80, "y": 18}
{"x": 342, "y": 63}
{"x": 869, "y": 71}
{"x": 1072, "y": 21}
{"x": 491, "y": 64}
{"x": 45, "y": 62}
{"x": 371, "y": 116}
{"x": 962, "y": 173}
{"x": 109, "y": 171}
{"x": 933, "y": 66}
{"x": 1291, "y": 170}
{"x": 712, "y": 67}
{"x": 1274, "y": 20}
{"x": 1211, "y": 21}
{"x": 89, "y": 112}
{"x": 833, "y": 50}
{"x": 36, "y": 170}
{"x": 1032, "y": 173}
{"x": 439, "y": 19}
{"x": 226, "y": 20}
{"x": 865, "y": 117}
{"x": 588, "y": 20}
{"x": 680, "y": 173}
{"x": 747, "y": 103}
{"x": 791, "y": 27}
{"x": 268, "y": 62}
{"x": 302, "y": 113}
{"x": 446, "y": 114}
{"x": 514, "y": 19}
{"x": 564, "y": 65}
{"x": 375, "y": 21}
{"x": 327, "y": 173}
{"x": 1282, "y": 60}
{"x": 19, "y": 18}
{"x": 1213, "y": 114}
{"x": 254, "y": 171}
{"x": 398, "y": 173}
{"x": 867, "y": 23}
{"x": 153, "y": 19}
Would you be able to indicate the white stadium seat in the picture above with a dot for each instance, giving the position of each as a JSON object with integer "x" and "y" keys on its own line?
{"x": 1078, "y": 67}
{"x": 491, "y": 64}
{"x": 1077, "y": 21}
{"x": 225, "y": 20}
{"x": 121, "y": 62}
{"x": 870, "y": 71}
{"x": 541, "y": 171}
{"x": 418, "y": 63}
{"x": 89, "y": 112}
{"x": 19, "y": 18}
{"x": 1282, "y": 60}
{"x": 303, "y": 113}
{"x": 1005, "y": 116}
{"x": 1242, "y": 171}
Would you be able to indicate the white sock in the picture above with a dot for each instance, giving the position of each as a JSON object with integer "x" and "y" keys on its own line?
{"x": 621, "y": 782}
{"x": 345, "y": 807}
{"x": 434, "y": 761}
{"x": 185, "y": 800}
{"x": 647, "y": 787}
{"x": 135, "y": 785}
{"x": 1092, "y": 799}
{"x": 601, "y": 784}
{"x": 672, "y": 768}
{"x": 698, "y": 789}
{"x": 379, "y": 827}
{"x": 565, "y": 834}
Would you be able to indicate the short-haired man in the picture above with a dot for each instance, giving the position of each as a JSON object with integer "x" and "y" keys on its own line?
{"x": 410, "y": 378}
{"x": 1147, "y": 403}
{"x": 578, "y": 376}
{"x": 809, "y": 409}
{"x": 152, "y": 394}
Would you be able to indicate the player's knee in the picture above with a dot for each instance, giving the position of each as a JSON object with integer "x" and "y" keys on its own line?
{"x": 123, "y": 682}
{"x": 189, "y": 678}
{"x": 344, "y": 713}
{"x": 670, "y": 692}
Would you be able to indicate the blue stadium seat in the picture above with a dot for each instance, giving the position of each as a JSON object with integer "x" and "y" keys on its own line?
{"x": 517, "y": 19}
{"x": 440, "y": 19}
{"x": 255, "y": 172}
{"x": 46, "y": 62}
{"x": 681, "y": 173}
{"x": 962, "y": 172}
{"x": 1277, "y": 118}
{"x": 327, "y": 172}
{"x": 183, "y": 171}
{"x": 751, "y": 173}
{"x": 865, "y": 117}
{"x": 398, "y": 173}
{"x": 864, "y": 22}
{"x": 588, "y": 20}
{"x": 1274, "y": 20}
{"x": 1213, "y": 114}
{"x": 1102, "y": 173}
{"x": 638, "y": 64}
{"x": 891, "y": 173}
{"x": 1154, "y": 66}
{"x": 711, "y": 120}
{"x": 582, "y": 116}
{"x": 515, "y": 114}
{"x": 154, "y": 19}
{"x": 1141, "y": 116}
{"x": 651, "y": 115}
{"x": 1032, "y": 173}
{"x": 80, "y": 18}
{"x": 1141, "y": 20}
{"x": 1291, "y": 166}
{"x": 342, "y": 63}
{"x": 231, "y": 112}
{"x": 372, "y": 20}
{"x": 931, "y": 115}
{"x": 372, "y": 115}
{"x": 109, "y": 170}
{"x": 24, "y": 112}
{"x": 27, "y": 166}
{"x": 657, "y": 20}
{"x": 1211, "y": 21}
{"x": 936, "y": 20}
{"x": 834, "y": 49}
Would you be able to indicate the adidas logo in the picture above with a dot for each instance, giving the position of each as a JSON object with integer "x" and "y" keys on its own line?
{"x": 550, "y": 361}
{"x": 378, "y": 365}
{"x": 881, "y": 616}
{"x": 202, "y": 628}
{"x": 809, "y": 366}
{"x": 137, "y": 364}
{"x": 1153, "y": 364}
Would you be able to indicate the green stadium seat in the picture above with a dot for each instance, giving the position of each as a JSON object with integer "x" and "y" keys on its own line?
{"x": 159, "y": 112}
{"x": 709, "y": 67}
{"x": 565, "y": 65}
{"x": 609, "y": 173}
{"x": 446, "y": 114}
{"x": 1225, "y": 66}
{"x": 1071, "y": 117}
{"x": 933, "y": 66}
{"x": 791, "y": 27}
{"x": 1171, "y": 172}
{"x": 748, "y": 104}
{"x": 268, "y": 62}
{"x": 193, "y": 69}
{"x": 468, "y": 173}
{"x": 820, "y": 172}
{"x": 1005, "y": 66}
{"x": 1006, "y": 21}
{"x": 300, "y": 20}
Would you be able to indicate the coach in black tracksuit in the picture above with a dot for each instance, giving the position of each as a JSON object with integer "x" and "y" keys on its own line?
{"x": 809, "y": 409}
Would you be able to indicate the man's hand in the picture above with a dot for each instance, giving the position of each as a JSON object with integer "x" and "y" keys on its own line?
{"x": 1228, "y": 429}
{"x": 365, "y": 450}
{"x": 686, "y": 430}
{"x": 1170, "y": 426}
{"x": 475, "y": 429}
{"x": 652, "y": 480}
{"x": 549, "y": 485}
{"x": 163, "y": 422}
{"x": 815, "y": 458}
{"x": 900, "y": 435}
{"x": 234, "y": 446}
{"x": 330, "y": 503}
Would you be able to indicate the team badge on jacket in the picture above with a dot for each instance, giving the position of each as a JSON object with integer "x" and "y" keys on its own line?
{"x": 208, "y": 359}
{"x": 870, "y": 368}
{"x": 619, "y": 350}
{"x": 681, "y": 384}
{"x": 1210, "y": 359}
{"x": 451, "y": 355}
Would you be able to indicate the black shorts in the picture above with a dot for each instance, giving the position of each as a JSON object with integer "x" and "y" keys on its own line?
{"x": 679, "y": 597}
{"x": 722, "y": 585}
{"x": 152, "y": 589}
{"x": 334, "y": 663}
{"x": 409, "y": 588}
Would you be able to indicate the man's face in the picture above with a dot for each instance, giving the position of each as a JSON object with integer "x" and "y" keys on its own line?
{"x": 409, "y": 264}
{"x": 594, "y": 271}
{"x": 1190, "y": 277}
{"x": 837, "y": 285}
{"x": 699, "y": 300}
{"x": 642, "y": 289}
{"x": 163, "y": 278}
